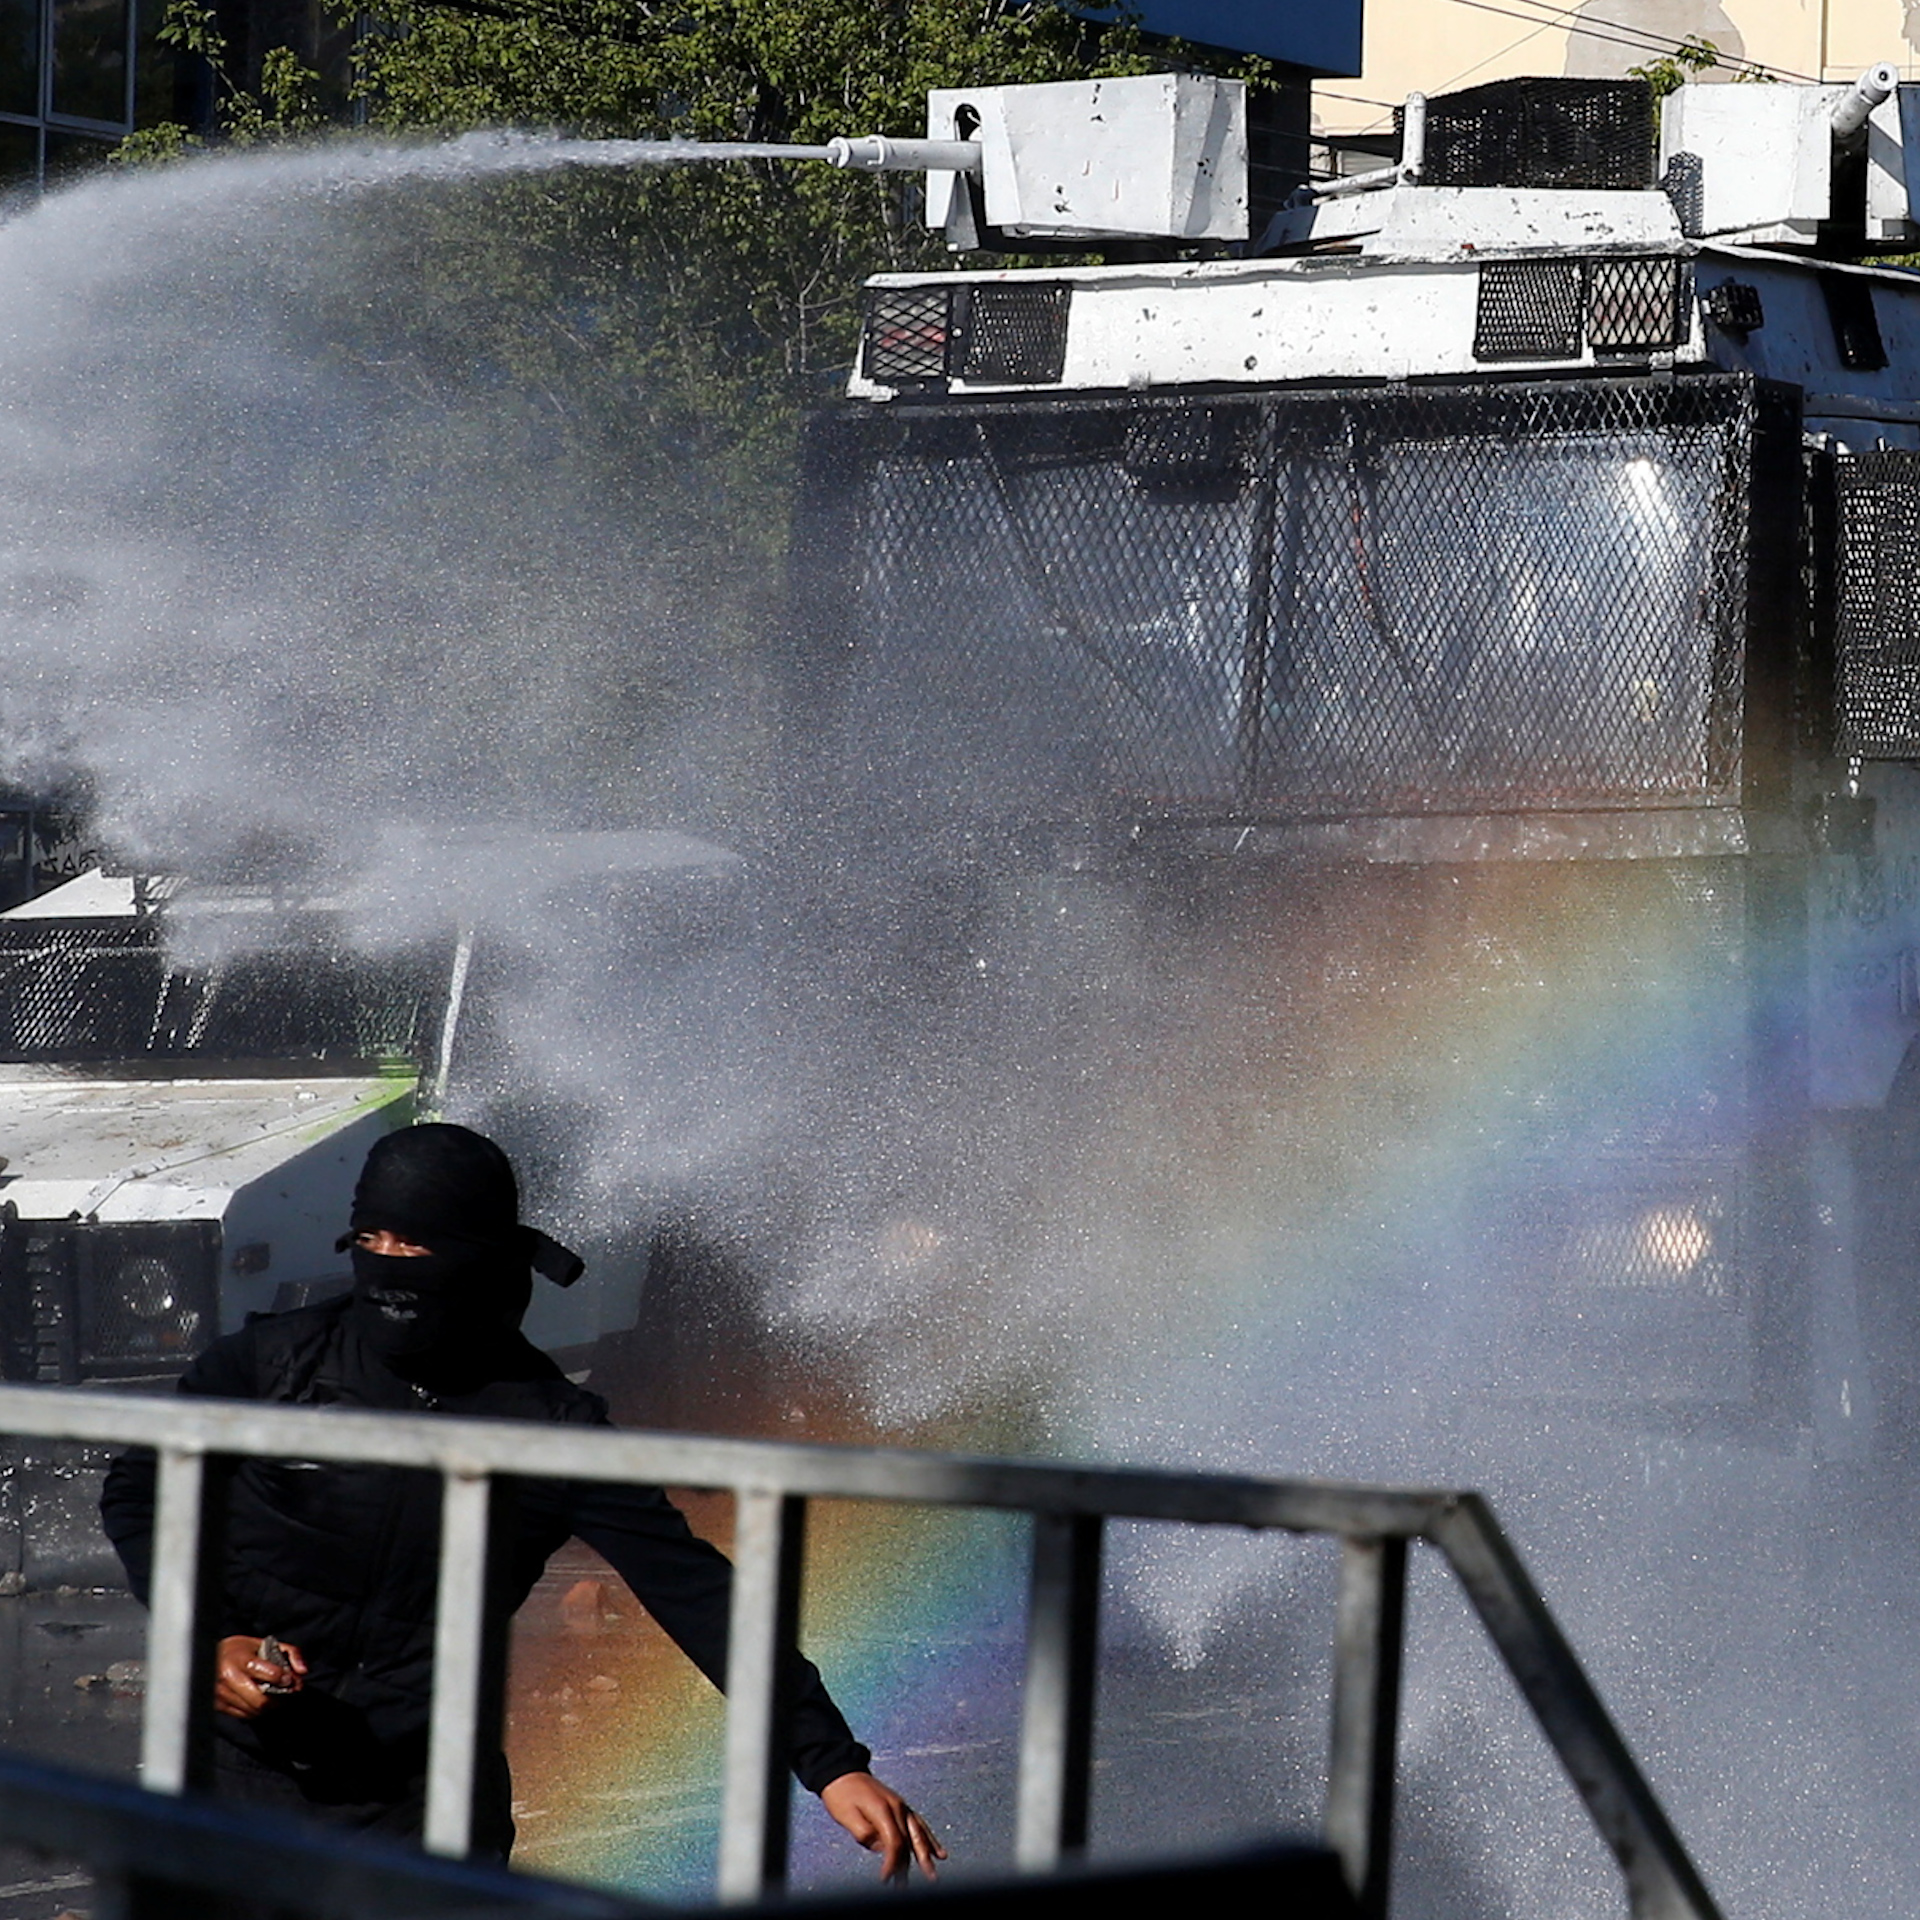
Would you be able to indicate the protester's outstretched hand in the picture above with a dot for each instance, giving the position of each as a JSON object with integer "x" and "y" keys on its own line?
{"x": 883, "y": 1823}
{"x": 244, "y": 1684}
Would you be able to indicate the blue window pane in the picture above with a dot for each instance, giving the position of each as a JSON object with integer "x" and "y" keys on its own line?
{"x": 90, "y": 59}
{"x": 20, "y": 56}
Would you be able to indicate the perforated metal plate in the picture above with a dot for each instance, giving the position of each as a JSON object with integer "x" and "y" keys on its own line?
{"x": 1542, "y": 133}
{"x": 148, "y": 1295}
{"x": 1877, "y": 589}
{"x": 1013, "y": 333}
{"x": 1529, "y": 310}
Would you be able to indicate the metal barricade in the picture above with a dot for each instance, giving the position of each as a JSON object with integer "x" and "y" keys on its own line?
{"x": 198, "y": 1442}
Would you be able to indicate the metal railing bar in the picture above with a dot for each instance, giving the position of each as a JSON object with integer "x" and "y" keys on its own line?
{"x": 174, "y": 1724}
{"x": 455, "y": 1733}
{"x": 769, "y": 1531}
{"x": 200, "y": 1441}
{"x": 1369, "y": 1636}
{"x": 1056, "y": 1724}
{"x": 536, "y": 1451}
{"x": 123, "y": 1832}
{"x": 1662, "y": 1883}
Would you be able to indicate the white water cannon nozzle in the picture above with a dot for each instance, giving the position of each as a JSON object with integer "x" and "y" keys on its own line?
{"x": 1875, "y": 86}
{"x": 876, "y": 153}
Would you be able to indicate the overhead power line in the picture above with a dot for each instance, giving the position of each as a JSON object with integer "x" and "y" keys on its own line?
{"x": 1619, "y": 33}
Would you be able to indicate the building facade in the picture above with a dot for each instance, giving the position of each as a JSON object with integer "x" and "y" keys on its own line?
{"x": 76, "y": 76}
{"x": 1434, "y": 46}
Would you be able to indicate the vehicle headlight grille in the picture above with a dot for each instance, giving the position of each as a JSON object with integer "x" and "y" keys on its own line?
{"x": 145, "y": 1296}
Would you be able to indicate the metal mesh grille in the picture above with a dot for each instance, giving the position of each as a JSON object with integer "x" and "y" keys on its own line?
{"x": 1685, "y": 184}
{"x": 1012, "y": 333}
{"x": 106, "y": 990}
{"x": 147, "y": 1295}
{"x": 1438, "y": 601}
{"x": 1636, "y": 305}
{"x": 1878, "y": 612}
{"x": 1542, "y": 133}
{"x": 1529, "y": 310}
{"x": 905, "y": 340}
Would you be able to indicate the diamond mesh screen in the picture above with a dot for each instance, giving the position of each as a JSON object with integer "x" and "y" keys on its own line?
{"x": 1012, "y": 333}
{"x": 1877, "y": 637}
{"x": 106, "y": 990}
{"x": 1529, "y": 310}
{"x": 1443, "y": 600}
{"x": 1542, "y": 133}
{"x": 1636, "y": 305}
{"x": 905, "y": 340}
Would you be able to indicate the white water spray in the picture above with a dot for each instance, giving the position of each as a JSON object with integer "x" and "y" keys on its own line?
{"x": 295, "y": 560}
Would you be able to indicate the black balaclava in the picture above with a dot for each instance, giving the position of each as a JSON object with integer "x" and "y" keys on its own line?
{"x": 452, "y": 1191}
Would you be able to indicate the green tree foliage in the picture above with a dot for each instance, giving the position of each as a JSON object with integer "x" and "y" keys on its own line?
{"x": 1692, "y": 57}
{"x": 1671, "y": 71}
{"x": 657, "y": 333}
{"x": 726, "y": 296}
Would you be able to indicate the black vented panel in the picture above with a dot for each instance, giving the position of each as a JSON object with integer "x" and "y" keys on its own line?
{"x": 1013, "y": 333}
{"x": 1499, "y": 597}
{"x": 318, "y": 1002}
{"x": 1529, "y": 310}
{"x": 1735, "y": 307}
{"x": 905, "y": 341}
{"x": 1856, "y": 327}
{"x": 1877, "y": 636}
{"x": 1638, "y": 305}
{"x": 1542, "y": 133}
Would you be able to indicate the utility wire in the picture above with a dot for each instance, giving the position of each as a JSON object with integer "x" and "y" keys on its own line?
{"x": 1622, "y": 35}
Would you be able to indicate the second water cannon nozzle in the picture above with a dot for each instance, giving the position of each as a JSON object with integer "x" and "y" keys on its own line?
{"x": 1872, "y": 89}
{"x": 877, "y": 153}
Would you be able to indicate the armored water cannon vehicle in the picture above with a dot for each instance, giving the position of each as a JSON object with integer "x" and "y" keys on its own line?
{"x": 191, "y": 1073}
{"x": 1495, "y": 580}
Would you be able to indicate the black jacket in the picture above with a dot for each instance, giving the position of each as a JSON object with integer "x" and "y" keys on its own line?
{"x": 341, "y": 1561}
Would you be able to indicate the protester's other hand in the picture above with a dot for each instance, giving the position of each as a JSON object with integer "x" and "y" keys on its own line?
{"x": 244, "y": 1684}
{"x": 883, "y": 1823}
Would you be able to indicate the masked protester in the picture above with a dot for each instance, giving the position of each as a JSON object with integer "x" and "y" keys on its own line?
{"x": 325, "y": 1665}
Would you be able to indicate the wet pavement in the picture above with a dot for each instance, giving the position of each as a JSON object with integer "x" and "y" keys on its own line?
{"x": 70, "y": 1680}
{"x": 70, "y": 1693}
